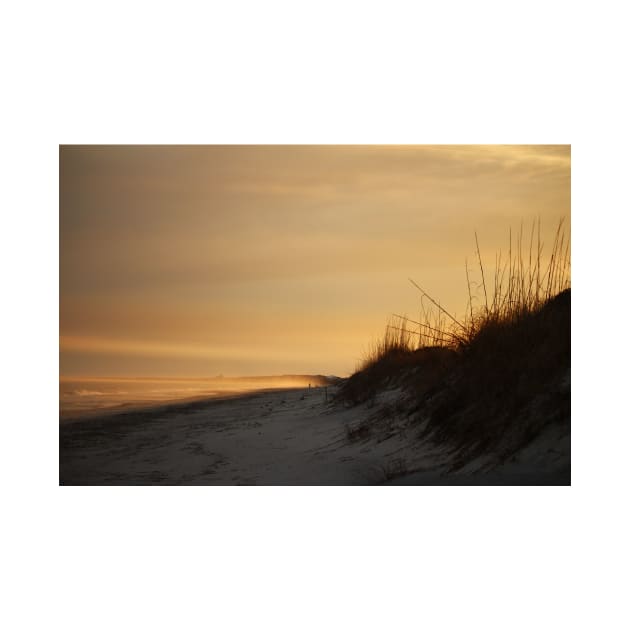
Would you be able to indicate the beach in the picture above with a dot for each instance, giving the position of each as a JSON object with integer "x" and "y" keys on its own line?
{"x": 278, "y": 437}
{"x": 273, "y": 437}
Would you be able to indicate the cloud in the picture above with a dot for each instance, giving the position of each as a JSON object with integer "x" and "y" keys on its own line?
{"x": 170, "y": 251}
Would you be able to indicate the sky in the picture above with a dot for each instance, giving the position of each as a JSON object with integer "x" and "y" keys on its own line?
{"x": 258, "y": 260}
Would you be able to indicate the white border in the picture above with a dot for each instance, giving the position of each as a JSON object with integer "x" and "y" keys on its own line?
{"x": 245, "y": 72}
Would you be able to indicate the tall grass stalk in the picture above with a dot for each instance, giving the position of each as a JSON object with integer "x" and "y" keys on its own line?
{"x": 520, "y": 287}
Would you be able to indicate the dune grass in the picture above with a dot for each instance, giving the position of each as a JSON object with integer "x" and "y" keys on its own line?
{"x": 490, "y": 381}
{"x": 518, "y": 286}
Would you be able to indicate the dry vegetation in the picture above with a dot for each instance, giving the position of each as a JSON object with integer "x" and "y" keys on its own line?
{"x": 487, "y": 381}
{"x": 521, "y": 285}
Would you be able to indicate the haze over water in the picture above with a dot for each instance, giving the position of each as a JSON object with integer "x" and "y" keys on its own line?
{"x": 84, "y": 397}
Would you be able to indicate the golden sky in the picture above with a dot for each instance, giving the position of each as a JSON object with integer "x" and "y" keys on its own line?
{"x": 251, "y": 260}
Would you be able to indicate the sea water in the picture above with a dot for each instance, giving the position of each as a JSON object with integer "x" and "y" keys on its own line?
{"x": 85, "y": 397}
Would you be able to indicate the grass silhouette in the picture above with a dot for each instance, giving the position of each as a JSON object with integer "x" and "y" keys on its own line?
{"x": 489, "y": 382}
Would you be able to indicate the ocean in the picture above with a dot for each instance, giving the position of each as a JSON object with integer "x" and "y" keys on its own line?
{"x": 96, "y": 396}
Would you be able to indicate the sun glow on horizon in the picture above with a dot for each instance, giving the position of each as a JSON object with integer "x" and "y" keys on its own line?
{"x": 253, "y": 260}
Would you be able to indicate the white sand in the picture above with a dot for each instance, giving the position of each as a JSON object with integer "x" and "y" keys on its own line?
{"x": 284, "y": 437}
{"x": 280, "y": 437}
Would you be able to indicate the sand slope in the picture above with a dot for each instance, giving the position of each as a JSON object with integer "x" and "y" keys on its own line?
{"x": 282, "y": 437}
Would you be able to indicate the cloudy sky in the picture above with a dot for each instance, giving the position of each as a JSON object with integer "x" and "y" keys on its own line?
{"x": 195, "y": 261}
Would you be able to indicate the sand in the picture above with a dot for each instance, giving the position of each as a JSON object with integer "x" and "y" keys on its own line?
{"x": 282, "y": 437}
